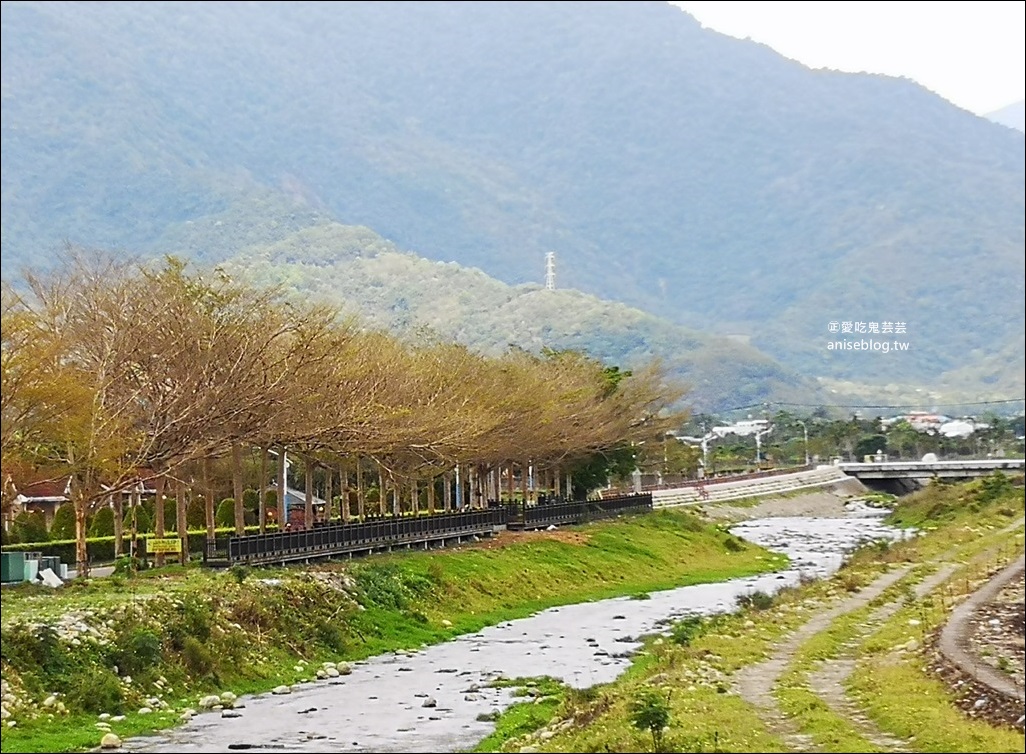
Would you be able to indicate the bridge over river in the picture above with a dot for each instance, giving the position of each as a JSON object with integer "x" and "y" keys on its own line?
{"x": 902, "y": 476}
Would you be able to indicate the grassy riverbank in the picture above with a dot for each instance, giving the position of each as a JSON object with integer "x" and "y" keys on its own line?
{"x": 161, "y": 640}
{"x": 696, "y": 669}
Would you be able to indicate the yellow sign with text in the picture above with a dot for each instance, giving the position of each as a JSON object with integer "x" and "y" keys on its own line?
{"x": 163, "y": 545}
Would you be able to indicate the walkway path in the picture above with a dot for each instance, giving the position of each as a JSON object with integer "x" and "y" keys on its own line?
{"x": 757, "y": 682}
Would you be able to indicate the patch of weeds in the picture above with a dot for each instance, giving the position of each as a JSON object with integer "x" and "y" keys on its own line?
{"x": 684, "y": 631}
{"x": 239, "y": 572}
{"x": 137, "y": 651}
{"x": 757, "y": 600}
{"x": 95, "y": 690}
{"x": 641, "y": 596}
{"x": 196, "y": 656}
{"x": 733, "y": 544}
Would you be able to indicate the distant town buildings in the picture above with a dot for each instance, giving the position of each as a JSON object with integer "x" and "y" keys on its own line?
{"x": 922, "y": 421}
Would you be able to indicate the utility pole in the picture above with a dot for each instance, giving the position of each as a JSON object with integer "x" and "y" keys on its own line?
{"x": 805, "y": 433}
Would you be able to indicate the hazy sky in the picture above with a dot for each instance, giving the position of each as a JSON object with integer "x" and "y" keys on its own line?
{"x": 970, "y": 53}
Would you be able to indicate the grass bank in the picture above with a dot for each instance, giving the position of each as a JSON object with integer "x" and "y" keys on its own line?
{"x": 692, "y": 669}
{"x": 142, "y": 652}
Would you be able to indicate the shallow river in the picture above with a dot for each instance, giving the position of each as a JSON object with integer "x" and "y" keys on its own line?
{"x": 380, "y": 707}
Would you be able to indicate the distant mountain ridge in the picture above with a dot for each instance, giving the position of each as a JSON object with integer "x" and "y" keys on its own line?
{"x": 702, "y": 178}
{"x": 1013, "y": 115}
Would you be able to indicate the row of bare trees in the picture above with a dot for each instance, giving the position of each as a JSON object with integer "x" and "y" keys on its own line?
{"x": 112, "y": 367}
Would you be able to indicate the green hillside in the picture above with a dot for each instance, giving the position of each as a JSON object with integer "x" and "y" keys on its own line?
{"x": 363, "y": 274}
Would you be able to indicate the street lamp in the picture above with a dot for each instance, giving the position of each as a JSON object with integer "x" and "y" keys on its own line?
{"x": 758, "y": 445}
{"x": 805, "y": 432}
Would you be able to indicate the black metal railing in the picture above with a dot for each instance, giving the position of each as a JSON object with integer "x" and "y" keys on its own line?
{"x": 372, "y": 533}
{"x": 385, "y": 531}
{"x": 556, "y": 511}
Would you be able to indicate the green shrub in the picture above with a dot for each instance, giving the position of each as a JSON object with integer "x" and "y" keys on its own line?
{"x": 143, "y": 522}
{"x": 757, "y": 600}
{"x": 251, "y": 501}
{"x": 123, "y": 566}
{"x": 63, "y": 526}
{"x": 330, "y": 635}
{"x": 103, "y": 523}
{"x": 30, "y": 527}
{"x": 684, "y": 631}
{"x": 137, "y": 650}
{"x": 992, "y": 487}
{"x": 37, "y": 650}
{"x": 170, "y": 516}
{"x": 239, "y": 572}
{"x": 94, "y": 690}
{"x": 192, "y": 620}
{"x": 196, "y": 656}
{"x": 650, "y": 710}
{"x": 196, "y": 513}
{"x": 225, "y": 515}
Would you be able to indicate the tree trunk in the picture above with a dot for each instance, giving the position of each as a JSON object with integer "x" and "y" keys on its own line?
{"x": 555, "y": 479}
{"x": 81, "y": 551}
{"x": 415, "y": 497}
{"x": 343, "y": 482}
{"x": 208, "y": 497}
{"x": 283, "y": 514}
{"x": 447, "y": 492}
{"x": 329, "y": 493}
{"x": 525, "y": 467}
{"x": 158, "y": 516}
{"x": 431, "y": 496}
{"x": 182, "y": 523}
{"x": 262, "y": 493}
{"x": 360, "y": 492}
{"x": 240, "y": 511}
{"x": 135, "y": 498}
{"x": 117, "y": 502}
{"x": 308, "y": 506}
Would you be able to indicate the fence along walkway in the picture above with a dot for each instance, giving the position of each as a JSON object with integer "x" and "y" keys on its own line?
{"x": 440, "y": 529}
{"x": 716, "y": 492}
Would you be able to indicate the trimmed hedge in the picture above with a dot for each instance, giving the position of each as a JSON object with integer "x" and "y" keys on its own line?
{"x": 101, "y": 549}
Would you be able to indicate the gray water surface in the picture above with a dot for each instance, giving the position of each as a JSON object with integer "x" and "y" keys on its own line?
{"x": 380, "y": 706}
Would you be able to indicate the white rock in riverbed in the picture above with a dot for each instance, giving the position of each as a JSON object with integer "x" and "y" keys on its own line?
{"x": 110, "y": 741}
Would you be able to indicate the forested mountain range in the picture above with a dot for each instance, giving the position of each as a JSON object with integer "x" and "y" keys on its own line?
{"x": 699, "y": 178}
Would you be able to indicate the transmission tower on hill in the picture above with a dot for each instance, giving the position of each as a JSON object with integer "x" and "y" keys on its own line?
{"x": 550, "y": 271}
